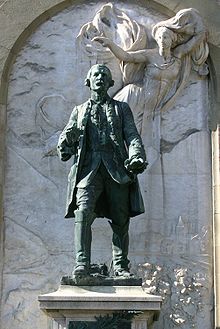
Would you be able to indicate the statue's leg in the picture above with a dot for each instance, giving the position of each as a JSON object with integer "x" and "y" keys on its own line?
{"x": 118, "y": 196}
{"x": 86, "y": 199}
{"x": 120, "y": 244}
{"x": 83, "y": 238}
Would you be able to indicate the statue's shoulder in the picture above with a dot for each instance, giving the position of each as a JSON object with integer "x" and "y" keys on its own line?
{"x": 81, "y": 109}
{"x": 83, "y": 105}
{"x": 120, "y": 105}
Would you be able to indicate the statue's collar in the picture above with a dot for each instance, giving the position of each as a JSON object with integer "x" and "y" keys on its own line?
{"x": 100, "y": 100}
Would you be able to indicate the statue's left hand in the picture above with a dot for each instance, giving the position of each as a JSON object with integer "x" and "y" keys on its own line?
{"x": 105, "y": 42}
{"x": 72, "y": 135}
{"x": 135, "y": 165}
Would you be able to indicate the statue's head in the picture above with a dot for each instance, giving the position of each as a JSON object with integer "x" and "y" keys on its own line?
{"x": 99, "y": 78}
{"x": 165, "y": 38}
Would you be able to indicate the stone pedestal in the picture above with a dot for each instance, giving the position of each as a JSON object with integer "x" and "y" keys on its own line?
{"x": 70, "y": 304}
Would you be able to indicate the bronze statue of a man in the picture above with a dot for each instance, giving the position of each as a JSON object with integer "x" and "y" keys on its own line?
{"x": 108, "y": 155}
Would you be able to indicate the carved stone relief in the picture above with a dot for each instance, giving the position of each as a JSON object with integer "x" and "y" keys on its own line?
{"x": 171, "y": 242}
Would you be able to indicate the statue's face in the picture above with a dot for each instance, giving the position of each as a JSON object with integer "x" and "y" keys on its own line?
{"x": 100, "y": 79}
{"x": 164, "y": 41}
{"x": 163, "y": 38}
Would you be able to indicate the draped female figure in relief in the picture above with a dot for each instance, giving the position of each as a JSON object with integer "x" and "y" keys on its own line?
{"x": 182, "y": 45}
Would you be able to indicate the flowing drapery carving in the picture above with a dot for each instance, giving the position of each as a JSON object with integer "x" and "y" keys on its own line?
{"x": 114, "y": 24}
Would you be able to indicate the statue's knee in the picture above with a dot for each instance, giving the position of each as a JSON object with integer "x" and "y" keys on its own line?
{"x": 120, "y": 229}
{"x": 84, "y": 215}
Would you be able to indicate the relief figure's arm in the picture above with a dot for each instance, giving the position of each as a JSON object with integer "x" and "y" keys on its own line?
{"x": 139, "y": 56}
{"x": 190, "y": 45}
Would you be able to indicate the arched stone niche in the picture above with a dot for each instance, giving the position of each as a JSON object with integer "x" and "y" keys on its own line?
{"x": 171, "y": 242}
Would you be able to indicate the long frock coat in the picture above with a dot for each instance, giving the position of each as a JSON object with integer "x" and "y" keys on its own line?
{"x": 126, "y": 143}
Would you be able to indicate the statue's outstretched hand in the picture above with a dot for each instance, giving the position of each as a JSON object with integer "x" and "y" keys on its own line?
{"x": 135, "y": 165}
{"x": 105, "y": 42}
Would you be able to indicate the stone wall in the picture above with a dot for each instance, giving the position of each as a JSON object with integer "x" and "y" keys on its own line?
{"x": 171, "y": 244}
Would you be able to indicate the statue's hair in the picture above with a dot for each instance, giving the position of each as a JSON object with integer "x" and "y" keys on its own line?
{"x": 87, "y": 80}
